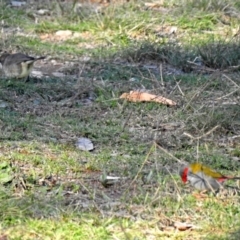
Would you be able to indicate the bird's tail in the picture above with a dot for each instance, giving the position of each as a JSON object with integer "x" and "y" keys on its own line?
{"x": 39, "y": 58}
{"x": 233, "y": 178}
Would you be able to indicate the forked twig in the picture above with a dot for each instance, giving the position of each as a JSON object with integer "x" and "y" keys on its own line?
{"x": 140, "y": 169}
{"x": 168, "y": 153}
{"x": 199, "y": 137}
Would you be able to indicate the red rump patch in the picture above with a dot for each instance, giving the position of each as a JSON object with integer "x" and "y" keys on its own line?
{"x": 184, "y": 175}
{"x": 222, "y": 179}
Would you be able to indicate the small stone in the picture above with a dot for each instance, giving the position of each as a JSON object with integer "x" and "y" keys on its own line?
{"x": 43, "y": 11}
{"x": 64, "y": 33}
{"x": 3, "y": 104}
{"x": 17, "y": 4}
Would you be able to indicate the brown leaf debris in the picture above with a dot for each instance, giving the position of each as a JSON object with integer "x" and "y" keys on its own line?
{"x": 136, "y": 96}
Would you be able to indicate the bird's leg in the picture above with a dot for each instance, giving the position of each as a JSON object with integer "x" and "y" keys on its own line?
{"x": 27, "y": 79}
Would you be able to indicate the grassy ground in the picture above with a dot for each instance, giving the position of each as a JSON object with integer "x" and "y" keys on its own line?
{"x": 187, "y": 51}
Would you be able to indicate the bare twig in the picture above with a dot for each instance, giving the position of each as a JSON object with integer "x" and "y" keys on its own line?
{"x": 168, "y": 153}
{"x": 180, "y": 90}
{"x": 228, "y": 78}
{"x": 199, "y": 137}
{"x": 140, "y": 169}
{"x": 196, "y": 94}
{"x": 227, "y": 95}
{"x": 161, "y": 75}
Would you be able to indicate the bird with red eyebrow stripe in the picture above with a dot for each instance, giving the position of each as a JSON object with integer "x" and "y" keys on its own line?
{"x": 203, "y": 178}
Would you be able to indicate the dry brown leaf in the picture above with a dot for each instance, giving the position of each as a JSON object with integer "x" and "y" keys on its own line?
{"x": 200, "y": 196}
{"x": 3, "y": 237}
{"x": 183, "y": 226}
{"x": 154, "y": 5}
{"x": 135, "y": 96}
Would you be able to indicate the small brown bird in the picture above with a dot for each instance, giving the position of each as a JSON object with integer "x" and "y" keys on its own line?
{"x": 17, "y": 65}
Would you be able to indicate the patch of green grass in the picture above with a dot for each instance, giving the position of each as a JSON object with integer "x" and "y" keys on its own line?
{"x": 12, "y": 16}
{"x": 198, "y": 23}
{"x": 26, "y": 212}
{"x": 220, "y": 54}
{"x": 218, "y": 6}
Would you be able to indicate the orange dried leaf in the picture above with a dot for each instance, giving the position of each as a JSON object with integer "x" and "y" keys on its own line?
{"x": 183, "y": 226}
{"x": 135, "y": 96}
{"x": 3, "y": 237}
{"x": 200, "y": 196}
